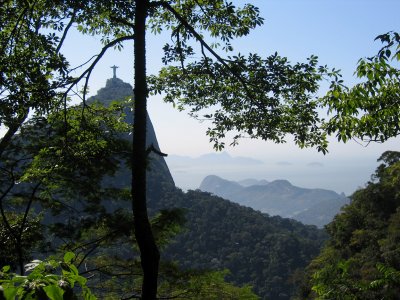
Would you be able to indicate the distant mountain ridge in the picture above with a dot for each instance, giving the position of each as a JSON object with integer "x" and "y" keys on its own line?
{"x": 279, "y": 197}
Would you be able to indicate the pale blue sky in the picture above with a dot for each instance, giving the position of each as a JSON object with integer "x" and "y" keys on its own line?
{"x": 339, "y": 32}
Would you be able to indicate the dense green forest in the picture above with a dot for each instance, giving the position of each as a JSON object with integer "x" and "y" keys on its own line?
{"x": 71, "y": 229}
{"x": 262, "y": 251}
{"x": 362, "y": 257}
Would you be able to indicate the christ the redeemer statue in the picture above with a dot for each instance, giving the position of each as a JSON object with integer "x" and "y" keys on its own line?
{"x": 114, "y": 67}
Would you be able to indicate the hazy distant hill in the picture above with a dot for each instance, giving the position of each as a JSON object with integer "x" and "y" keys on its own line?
{"x": 252, "y": 181}
{"x": 279, "y": 197}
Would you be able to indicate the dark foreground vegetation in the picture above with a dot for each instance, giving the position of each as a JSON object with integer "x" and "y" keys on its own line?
{"x": 362, "y": 257}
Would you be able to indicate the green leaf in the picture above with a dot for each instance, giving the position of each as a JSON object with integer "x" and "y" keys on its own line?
{"x": 79, "y": 279}
{"x": 336, "y": 94}
{"x": 10, "y": 292}
{"x": 54, "y": 292}
{"x": 68, "y": 257}
{"x": 74, "y": 270}
{"x": 5, "y": 269}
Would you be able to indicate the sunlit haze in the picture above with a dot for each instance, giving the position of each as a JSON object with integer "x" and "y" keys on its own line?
{"x": 338, "y": 32}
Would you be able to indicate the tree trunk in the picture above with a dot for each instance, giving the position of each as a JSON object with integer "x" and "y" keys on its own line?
{"x": 149, "y": 253}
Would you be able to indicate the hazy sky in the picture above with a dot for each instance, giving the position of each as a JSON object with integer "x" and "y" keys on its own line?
{"x": 339, "y": 32}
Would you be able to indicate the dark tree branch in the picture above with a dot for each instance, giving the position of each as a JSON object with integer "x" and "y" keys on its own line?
{"x": 22, "y": 227}
{"x": 3, "y": 214}
{"x": 28, "y": 207}
{"x": 198, "y": 37}
{"x": 179, "y": 296}
{"x": 122, "y": 21}
{"x": 87, "y": 73}
{"x": 96, "y": 241}
{"x": 201, "y": 8}
{"x": 153, "y": 149}
{"x": 149, "y": 253}
{"x": 180, "y": 50}
{"x": 12, "y": 130}
{"x": 71, "y": 21}
{"x": 99, "y": 269}
{"x": 16, "y": 27}
{"x": 98, "y": 57}
{"x": 81, "y": 65}
{"x": 87, "y": 254}
{"x": 134, "y": 296}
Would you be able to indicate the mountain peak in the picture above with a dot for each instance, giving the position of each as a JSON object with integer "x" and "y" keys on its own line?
{"x": 281, "y": 183}
{"x": 115, "y": 89}
{"x": 252, "y": 181}
{"x": 116, "y": 82}
{"x": 219, "y": 186}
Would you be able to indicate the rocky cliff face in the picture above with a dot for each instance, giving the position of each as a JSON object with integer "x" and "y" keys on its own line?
{"x": 117, "y": 90}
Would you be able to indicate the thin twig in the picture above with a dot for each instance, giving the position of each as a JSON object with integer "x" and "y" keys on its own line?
{"x": 3, "y": 214}
{"x": 98, "y": 57}
{"x": 71, "y": 21}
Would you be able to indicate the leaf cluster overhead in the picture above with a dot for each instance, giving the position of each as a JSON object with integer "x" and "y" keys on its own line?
{"x": 369, "y": 110}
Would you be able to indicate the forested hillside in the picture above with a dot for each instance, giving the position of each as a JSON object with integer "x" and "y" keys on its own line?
{"x": 265, "y": 252}
{"x": 362, "y": 258}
